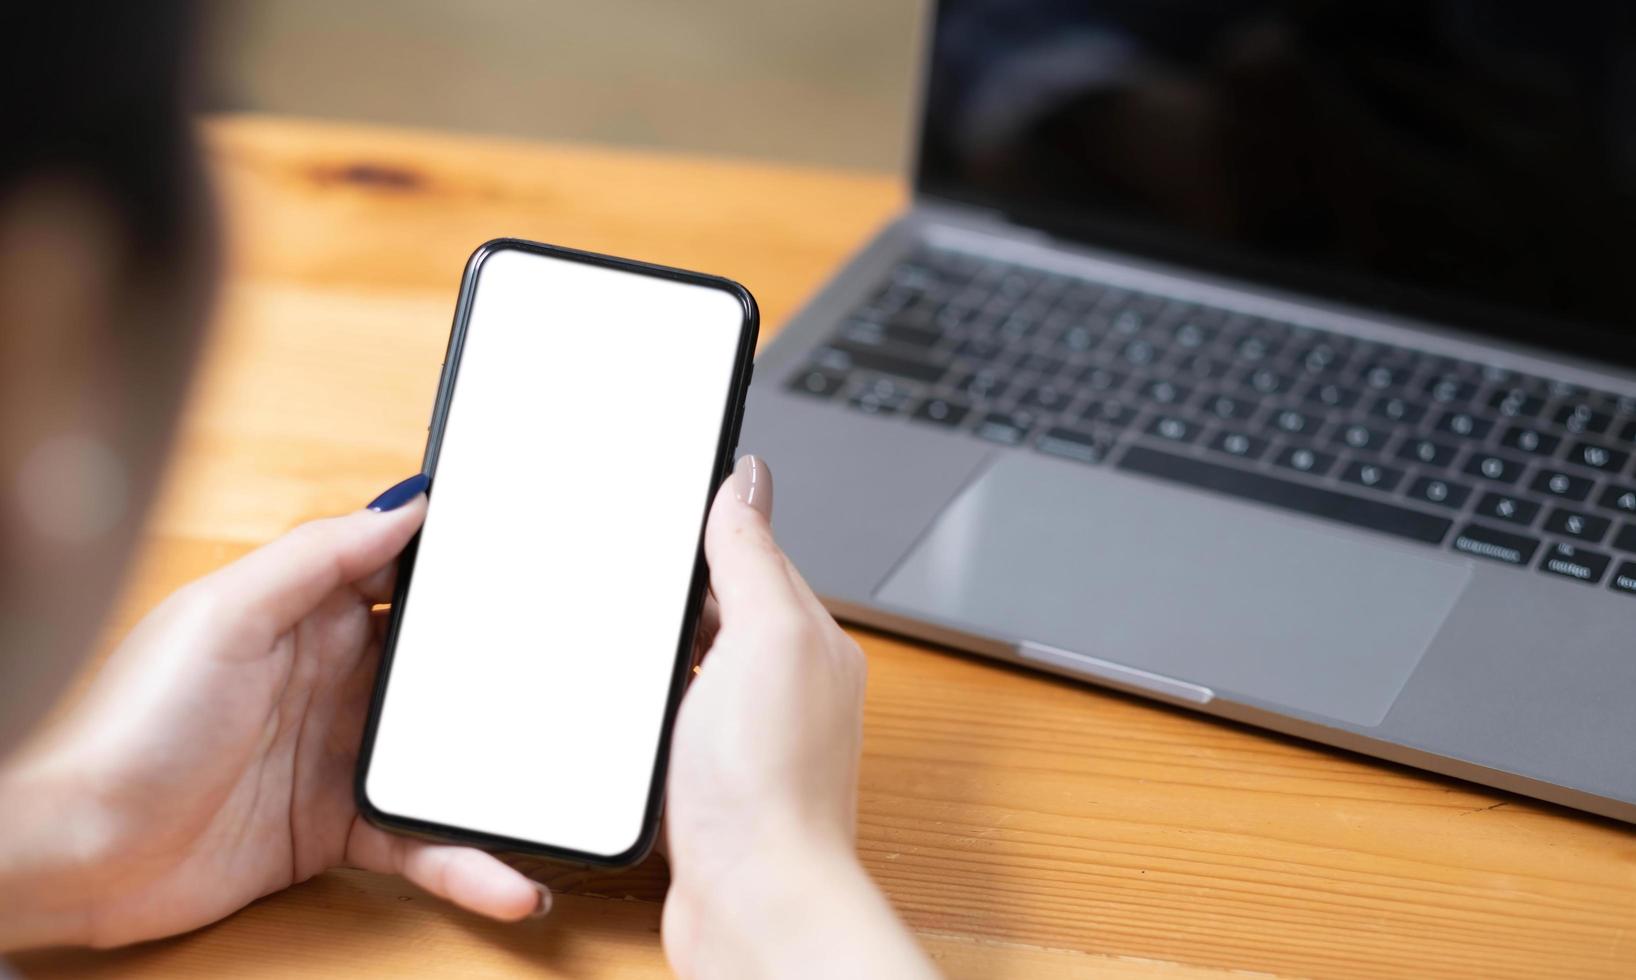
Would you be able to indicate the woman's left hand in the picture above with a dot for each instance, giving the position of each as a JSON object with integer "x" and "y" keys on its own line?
{"x": 211, "y": 761}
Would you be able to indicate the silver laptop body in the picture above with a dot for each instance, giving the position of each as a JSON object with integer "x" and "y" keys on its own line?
{"x": 1279, "y": 504}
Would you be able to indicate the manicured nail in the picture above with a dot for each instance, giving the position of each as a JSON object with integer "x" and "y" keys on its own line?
{"x": 400, "y": 493}
{"x": 753, "y": 484}
{"x": 544, "y": 908}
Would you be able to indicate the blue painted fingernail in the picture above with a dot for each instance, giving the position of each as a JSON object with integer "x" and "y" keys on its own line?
{"x": 400, "y": 493}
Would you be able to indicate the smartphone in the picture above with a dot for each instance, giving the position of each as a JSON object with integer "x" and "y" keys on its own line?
{"x": 541, "y": 632}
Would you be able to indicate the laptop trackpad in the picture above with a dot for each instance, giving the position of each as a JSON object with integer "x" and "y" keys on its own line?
{"x": 1231, "y": 596}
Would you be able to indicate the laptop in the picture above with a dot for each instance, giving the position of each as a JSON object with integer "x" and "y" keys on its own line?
{"x": 1274, "y": 360}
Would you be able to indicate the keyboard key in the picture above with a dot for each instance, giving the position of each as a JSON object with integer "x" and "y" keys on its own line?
{"x": 1395, "y": 409}
{"x": 1449, "y": 389}
{"x": 1227, "y": 408}
{"x": 1238, "y": 444}
{"x": 1108, "y": 411}
{"x": 982, "y": 347}
{"x": 1580, "y": 527}
{"x": 1370, "y": 514}
{"x": 1008, "y": 428}
{"x": 1487, "y": 542}
{"x": 1191, "y": 335}
{"x": 881, "y": 362}
{"x": 1098, "y": 378}
{"x": 1016, "y": 281}
{"x": 1043, "y": 364}
{"x": 1597, "y": 457}
{"x": 1048, "y": 397}
{"x": 1252, "y": 348}
{"x": 1449, "y": 367}
{"x": 1201, "y": 367}
{"x": 1130, "y": 322}
{"x": 1139, "y": 352}
{"x": 1075, "y": 444}
{"x": 865, "y": 333}
{"x": 873, "y": 402}
{"x": 1516, "y": 403}
{"x": 1443, "y": 493}
{"x": 1615, "y": 497}
{"x": 1383, "y": 377}
{"x": 1294, "y": 423}
{"x": 1372, "y": 475}
{"x": 1526, "y": 440}
{"x": 1019, "y": 326}
{"x": 1080, "y": 337}
{"x": 1330, "y": 395}
{"x": 1265, "y": 381}
{"x": 1572, "y": 561}
{"x": 1173, "y": 429}
{"x": 1359, "y": 437}
{"x": 1079, "y": 298}
{"x": 1625, "y": 540}
{"x": 1624, "y": 578}
{"x": 1164, "y": 392}
{"x": 1304, "y": 460}
{"x": 1582, "y": 418}
{"x": 905, "y": 330}
{"x": 941, "y": 411}
{"x": 984, "y": 383}
{"x": 816, "y": 381}
{"x": 887, "y": 301}
{"x": 1561, "y": 485}
{"x": 1504, "y": 507}
{"x": 1427, "y": 452}
{"x": 1323, "y": 358}
{"x": 1496, "y": 468}
{"x": 953, "y": 316}
{"x": 1464, "y": 424}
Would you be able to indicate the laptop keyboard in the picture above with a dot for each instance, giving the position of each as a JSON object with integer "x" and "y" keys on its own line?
{"x": 1514, "y": 468}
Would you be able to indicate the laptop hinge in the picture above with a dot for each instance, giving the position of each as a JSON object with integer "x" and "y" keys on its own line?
{"x": 986, "y": 220}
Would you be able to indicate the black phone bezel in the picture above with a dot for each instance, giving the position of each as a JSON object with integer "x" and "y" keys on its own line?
{"x": 726, "y": 446}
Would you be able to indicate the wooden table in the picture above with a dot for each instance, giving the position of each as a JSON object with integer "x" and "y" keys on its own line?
{"x": 1024, "y": 826}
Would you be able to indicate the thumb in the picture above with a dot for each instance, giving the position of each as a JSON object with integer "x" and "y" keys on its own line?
{"x": 752, "y": 579}
{"x": 282, "y": 581}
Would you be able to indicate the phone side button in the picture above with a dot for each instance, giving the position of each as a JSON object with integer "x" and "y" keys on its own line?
{"x": 440, "y": 366}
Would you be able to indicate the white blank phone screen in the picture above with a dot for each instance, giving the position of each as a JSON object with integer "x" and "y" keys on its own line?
{"x": 540, "y": 630}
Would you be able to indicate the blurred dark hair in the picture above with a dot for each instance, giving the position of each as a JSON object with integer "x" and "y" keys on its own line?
{"x": 100, "y": 91}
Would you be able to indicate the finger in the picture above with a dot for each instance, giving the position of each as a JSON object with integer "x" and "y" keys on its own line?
{"x": 661, "y": 846}
{"x": 377, "y": 587}
{"x": 471, "y": 879}
{"x": 748, "y": 572}
{"x": 283, "y": 580}
{"x": 709, "y": 626}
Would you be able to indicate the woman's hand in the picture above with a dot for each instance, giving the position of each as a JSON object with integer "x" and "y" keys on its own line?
{"x": 764, "y": 774}
{"x": 211, "y": 762}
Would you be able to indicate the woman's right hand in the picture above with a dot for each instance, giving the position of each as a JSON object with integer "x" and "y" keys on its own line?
{"x": 764, "y": 772}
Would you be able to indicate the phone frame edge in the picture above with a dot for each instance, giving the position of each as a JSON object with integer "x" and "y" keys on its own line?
{"x": 726, "y": 446}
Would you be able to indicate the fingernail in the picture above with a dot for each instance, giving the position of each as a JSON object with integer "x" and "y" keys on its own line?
{"x": 753, "y": 484}
{"x": 400, "y": 493}
{"x": 544, "y": 908}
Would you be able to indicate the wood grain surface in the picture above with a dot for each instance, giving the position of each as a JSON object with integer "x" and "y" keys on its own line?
{"x": 1023, "y": 825}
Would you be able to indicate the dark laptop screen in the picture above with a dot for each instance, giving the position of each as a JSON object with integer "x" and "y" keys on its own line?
{"x": 1473, "y": 160}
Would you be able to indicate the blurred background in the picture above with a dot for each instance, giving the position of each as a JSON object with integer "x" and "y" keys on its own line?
{"x": 821, "y": 83}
